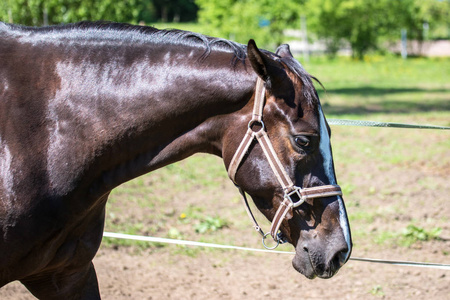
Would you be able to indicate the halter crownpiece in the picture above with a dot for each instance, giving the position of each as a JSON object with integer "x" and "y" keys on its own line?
{"x": 294, "y": 195}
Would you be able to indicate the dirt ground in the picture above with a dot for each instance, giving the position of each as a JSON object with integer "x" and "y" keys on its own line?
{"x": 415, "y": 193}
{"x": 232, "y": 275}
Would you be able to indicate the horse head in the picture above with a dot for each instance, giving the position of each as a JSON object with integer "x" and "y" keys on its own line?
{"x": 299, "y": 136}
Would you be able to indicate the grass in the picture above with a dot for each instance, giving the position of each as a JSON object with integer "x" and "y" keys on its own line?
{"x": 384, "y": 88}
{"x": 413, "y": 234}
{"x": 381, "y": 89}
{"x": 377, "y": 291}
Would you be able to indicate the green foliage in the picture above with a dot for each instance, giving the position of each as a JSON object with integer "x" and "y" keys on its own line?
{"x": 262, "y": 20}
{"x": 412, "y": 234}
{"x": 40, "y": 12}
{"x": 362, "y": 23}
{"x": 174, "y": 234}
{"x": 210, "y": 224}
{"x": 414, "y": 14}
{"x": 377, "y": 291}
{"x": 34, "y": 12}
{"x": 358, "y": 22}
{"x": 170, "y": 10}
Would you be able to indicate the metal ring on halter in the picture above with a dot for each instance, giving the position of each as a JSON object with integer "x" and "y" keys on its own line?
{"x": 253, "y": 122}
{"x": 264, "y": 244}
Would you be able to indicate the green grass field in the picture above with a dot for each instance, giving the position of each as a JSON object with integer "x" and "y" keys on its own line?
{"x": 386, "y": 88}
{"x": 386, "y": 174}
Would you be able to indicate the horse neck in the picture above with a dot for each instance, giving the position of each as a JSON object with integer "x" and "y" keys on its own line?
{"x": 157, "y": 111}
{"x": 189, "y": 100}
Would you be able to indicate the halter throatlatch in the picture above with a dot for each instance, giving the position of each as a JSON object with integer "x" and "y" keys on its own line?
{"x": 294, "y": 195}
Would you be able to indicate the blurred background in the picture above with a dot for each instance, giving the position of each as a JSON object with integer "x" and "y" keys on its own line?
{"x": 351, "y": 27}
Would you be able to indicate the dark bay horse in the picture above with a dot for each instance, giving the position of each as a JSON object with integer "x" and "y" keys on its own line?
{"x": 86, "y": 107}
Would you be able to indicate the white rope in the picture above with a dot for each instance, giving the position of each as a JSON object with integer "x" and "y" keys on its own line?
{"x": 382, "y": 124}
{"x": 183, "y": 242}
{"x": 210, "y": 245}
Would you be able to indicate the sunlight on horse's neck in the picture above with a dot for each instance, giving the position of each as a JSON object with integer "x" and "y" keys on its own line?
{"x": 146, "y": 115}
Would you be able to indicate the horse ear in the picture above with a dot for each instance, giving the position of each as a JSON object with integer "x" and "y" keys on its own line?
{"x": 258, "y": 60}
{"x": 284, "y": 51}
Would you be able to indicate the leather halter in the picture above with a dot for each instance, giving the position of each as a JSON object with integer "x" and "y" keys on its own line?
{"x": 294, "y": 195}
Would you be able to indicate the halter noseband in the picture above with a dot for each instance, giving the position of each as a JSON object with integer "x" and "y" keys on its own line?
{"x": 294, "y": 195}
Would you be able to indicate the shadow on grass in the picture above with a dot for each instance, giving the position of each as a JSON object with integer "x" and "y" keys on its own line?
{"x": 386, "y": 106}
{"x": 377, "y": 91}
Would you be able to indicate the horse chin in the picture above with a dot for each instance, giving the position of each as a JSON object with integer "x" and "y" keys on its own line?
{"x": 303, "y": 266}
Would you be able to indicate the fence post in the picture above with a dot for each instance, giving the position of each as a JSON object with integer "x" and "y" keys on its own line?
{"x": 304, "y": 37}
{"x": 404, "y": 50}
{"x": 10, "y": 17}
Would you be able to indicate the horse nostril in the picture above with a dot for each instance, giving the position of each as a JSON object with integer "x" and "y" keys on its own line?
{"x": 340, "y": 257}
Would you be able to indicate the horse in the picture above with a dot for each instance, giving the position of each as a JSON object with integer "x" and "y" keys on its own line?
{"x": 86, "y": 107}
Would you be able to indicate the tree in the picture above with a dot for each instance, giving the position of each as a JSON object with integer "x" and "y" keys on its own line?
{"x": 430, "y": 13}
{"x": 175, "y": 10}
{"x": 240, "y": 20}
{"x": 358, "y": 22}
{"x": 363, "y": 23}
{"x": 33, "y": 12}
{"x": 40, "y": 12}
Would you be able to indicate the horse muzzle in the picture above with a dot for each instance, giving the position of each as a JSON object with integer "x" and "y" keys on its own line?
{"x": 315, "y": 259}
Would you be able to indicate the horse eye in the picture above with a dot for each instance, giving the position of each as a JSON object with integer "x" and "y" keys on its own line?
{"x": 302, "y": 141}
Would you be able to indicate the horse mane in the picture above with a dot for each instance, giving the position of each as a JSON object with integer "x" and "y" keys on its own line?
{"x": 138, "y": 34}
{"x": 192, "y": 39}
{"x": 147, "y": 34}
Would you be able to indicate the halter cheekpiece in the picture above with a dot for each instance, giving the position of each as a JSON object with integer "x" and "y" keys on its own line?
{"x": 294, "y": 195}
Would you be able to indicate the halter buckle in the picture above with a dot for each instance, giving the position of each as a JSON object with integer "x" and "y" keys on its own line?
{"x": 297, "y": 194}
